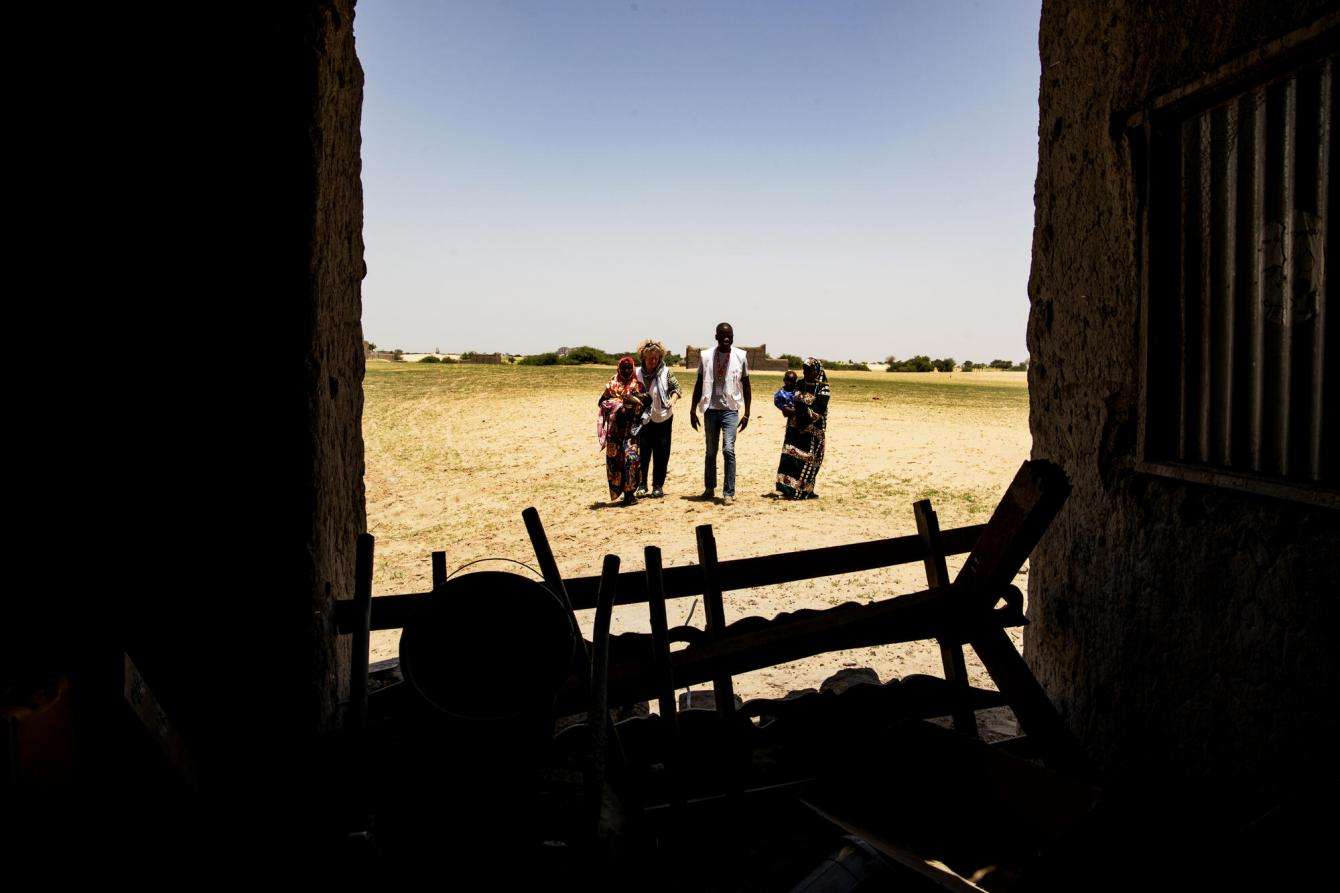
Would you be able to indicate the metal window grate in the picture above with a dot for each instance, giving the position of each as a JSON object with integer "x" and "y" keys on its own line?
{"x": 1240, "y": 351}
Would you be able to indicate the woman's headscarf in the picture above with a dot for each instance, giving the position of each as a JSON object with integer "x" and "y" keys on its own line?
{"x": 621, "y": 385}
{"x": 812, "y": 398}
{"x": 624, "y": 382}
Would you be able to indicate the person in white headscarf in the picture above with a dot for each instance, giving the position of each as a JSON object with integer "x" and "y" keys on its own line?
{"x": 663, "y": 391}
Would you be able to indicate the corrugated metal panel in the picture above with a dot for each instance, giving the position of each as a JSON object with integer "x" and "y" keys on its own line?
{"x": 1239, "y": 346}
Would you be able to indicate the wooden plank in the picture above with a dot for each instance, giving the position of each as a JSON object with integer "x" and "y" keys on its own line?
{"x": 1322, "y": 274}
{"x": 931, "y": 870}
{"x": 439, "y": 570}
{"x": 664, "y": 671}
{"x": 1030, "y": 504}
{"x": 1141, "y": 143}
{"x": 1188, "y": 141}
{"x": 1257, "y": 302}
{"x": 544, "y": 556}
{"x": 1031, "y": 706}
{"x": 754, "y": 643}
{"x": 394, "y": 611}
{"x": 598, "y": 714}
{"x": 665, "y": 677}
{"x": 723, "y": 687}
{"x": 361, "y": 638}
{"x": 1288, "y": 207}
{"x": 1226, "y": 227}
{"x": 1036, "y": 494}
{"x": 1205, "y": 376}
{"x": 937, "y": 575}
{"x": 770, "y": 570}
{"x": 1309, "y": 494}
{"x": 1247, "y": 242}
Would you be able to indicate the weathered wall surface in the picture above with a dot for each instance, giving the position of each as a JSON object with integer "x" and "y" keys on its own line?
{"x": 330, "y": 343}
{"x": 249, "y": 474}
{"x": 1182, "y": 630}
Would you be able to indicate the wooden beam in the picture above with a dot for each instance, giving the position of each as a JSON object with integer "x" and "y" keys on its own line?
{"x": 598, "y": 715}
{"x": 937, "y": 575}
{"x": 544, "y": 556}
{"x": 394, "y": 611}
{"x": 1034, "y": 497}
{"x": 723, "y": 687}
{"x": 665, "y": 675}
{"x": 439, "y": 570}
{"x": 753, "y": 643}
{"x": 1029, "y": 506}
{"x": 770, "y": 570}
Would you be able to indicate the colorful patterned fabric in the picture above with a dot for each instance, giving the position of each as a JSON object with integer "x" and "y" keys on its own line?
{"x": 617, "y": 425}
{"x": 806, "y": 432}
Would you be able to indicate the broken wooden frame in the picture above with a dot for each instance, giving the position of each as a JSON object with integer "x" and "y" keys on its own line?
{"x": 963, "y": 611}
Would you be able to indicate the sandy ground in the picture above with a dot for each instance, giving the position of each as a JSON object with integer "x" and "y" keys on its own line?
{"x": 454, "y": 453}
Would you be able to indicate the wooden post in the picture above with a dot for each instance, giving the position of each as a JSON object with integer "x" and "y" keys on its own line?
{"x": 951, "y": 650}
{"x": 439, "y": 570}
{"x": 360, "y": 640}
{"x": 665, "y": 676}
{"x": 598, "y": 714}
{"x": 539, "y": 541}
{"x": 723, "y": 688}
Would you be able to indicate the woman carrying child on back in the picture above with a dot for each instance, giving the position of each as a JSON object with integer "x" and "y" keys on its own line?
{"x": 805, "y": 405}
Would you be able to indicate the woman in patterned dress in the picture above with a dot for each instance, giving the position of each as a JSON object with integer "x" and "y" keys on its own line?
{"x": 617, "y": 427}
{"x": 806, "y": 431}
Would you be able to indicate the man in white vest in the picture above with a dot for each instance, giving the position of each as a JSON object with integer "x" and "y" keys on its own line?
{"x": 721, "y": 391}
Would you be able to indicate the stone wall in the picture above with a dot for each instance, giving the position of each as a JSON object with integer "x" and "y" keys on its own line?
{"x": 1183, "y": 630}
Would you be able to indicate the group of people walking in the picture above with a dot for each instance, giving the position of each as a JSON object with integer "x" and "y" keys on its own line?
{"x": 636, "y": 416}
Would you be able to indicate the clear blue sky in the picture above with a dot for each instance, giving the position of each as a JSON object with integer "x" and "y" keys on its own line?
{"x": 842, "y": 179}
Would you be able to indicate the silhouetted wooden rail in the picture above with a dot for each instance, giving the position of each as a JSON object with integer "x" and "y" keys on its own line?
{"x": 393, "y": 611}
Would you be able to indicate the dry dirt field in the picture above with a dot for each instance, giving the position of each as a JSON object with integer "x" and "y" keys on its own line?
{"x": 455, "y": 452}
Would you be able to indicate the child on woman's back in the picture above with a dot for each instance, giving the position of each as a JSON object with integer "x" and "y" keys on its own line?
{"x": 785, "y": 397}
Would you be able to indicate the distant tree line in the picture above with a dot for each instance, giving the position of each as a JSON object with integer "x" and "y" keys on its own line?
{"x": 923, "y": 363}
{"x": 587, "y": 355}
{"x": 919, "y": 363}
{"x": 795, "y": 362}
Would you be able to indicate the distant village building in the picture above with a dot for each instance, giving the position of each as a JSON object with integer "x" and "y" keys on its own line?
{"x": 757, "y": 356}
